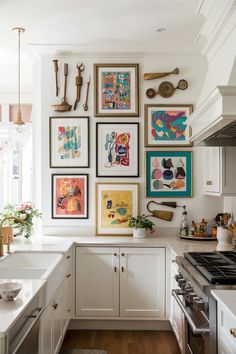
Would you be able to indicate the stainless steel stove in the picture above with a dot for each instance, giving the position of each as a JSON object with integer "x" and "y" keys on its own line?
{"x": 199, "y": 273}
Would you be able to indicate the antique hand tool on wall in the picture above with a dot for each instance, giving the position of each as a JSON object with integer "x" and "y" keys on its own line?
{"x": 64, "y": 106}
{"x": 151, "y": 76}
{"x": 55, "y": 62}
{"x": 79, "y": 84}
{"x": 163, "y": 214}
{"x": 166, "y": 89}
{"x": 85, "y": 105}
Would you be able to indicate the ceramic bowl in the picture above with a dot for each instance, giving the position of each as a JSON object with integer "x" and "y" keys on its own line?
{"x": 9, "y": 291}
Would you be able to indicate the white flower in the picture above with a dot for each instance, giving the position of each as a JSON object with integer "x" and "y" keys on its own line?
{"x": 23, "y": 216}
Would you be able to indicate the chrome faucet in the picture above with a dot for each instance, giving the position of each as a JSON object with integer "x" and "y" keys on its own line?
{"x": 13, "y": 218}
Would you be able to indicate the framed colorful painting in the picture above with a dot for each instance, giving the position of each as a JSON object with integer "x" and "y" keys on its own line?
{"x": 116, "y": 90}
{"x": 165, "y": 125}
{"x": 117, "y": 149}
{"x": 69, "y": 142}
{"x": 115, "y": 203}
{"x": 168, "y": 174}
{"x": 70, "y": 196}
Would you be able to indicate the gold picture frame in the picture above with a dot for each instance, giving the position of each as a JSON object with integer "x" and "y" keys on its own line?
{"x": 116, "y": 90}
{"x": 115, "y": 203}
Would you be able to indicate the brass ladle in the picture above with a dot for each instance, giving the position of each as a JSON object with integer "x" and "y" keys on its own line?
{"x": 166, "y": 89}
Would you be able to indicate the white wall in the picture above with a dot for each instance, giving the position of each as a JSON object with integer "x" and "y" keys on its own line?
{"x": 192, "y": 68}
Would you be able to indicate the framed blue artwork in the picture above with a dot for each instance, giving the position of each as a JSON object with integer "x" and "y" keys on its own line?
{"x": 166, "y": 125}
{"x": 168, "y": 174}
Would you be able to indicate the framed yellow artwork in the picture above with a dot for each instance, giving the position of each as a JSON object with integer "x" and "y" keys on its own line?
{"x": 115, "y": 203}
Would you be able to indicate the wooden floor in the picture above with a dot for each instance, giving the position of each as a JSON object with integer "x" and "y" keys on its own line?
{"x": 122, "y": 342}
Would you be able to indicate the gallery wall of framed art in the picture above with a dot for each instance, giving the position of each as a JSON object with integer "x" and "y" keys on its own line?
{"x": 109, "y": 142}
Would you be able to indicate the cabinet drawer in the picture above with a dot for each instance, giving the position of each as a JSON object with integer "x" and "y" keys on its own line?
{"x": 226, "y": 322}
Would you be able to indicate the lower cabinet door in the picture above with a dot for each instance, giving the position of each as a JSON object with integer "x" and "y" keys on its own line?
{"x": 97, "y": 281}
{"x": 142, "y": 282}
{"x": 45, "y": 344}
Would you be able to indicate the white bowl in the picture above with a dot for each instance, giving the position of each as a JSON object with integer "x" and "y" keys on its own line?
{"x": 10, "y": 290}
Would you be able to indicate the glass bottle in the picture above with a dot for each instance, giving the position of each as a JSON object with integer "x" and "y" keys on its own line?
{"x": 192, "y": 228}
{"x": 184, "y": 223}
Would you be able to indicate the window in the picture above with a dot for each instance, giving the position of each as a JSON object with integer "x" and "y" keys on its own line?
{"x": 15, "y": 157}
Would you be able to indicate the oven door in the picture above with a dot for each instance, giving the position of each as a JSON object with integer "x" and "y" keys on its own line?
{"x": 196, "y": 327}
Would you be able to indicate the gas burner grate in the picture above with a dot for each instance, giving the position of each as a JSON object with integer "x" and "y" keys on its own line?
{"x": 225, "y": 274}
{"x": 208, "y": 258}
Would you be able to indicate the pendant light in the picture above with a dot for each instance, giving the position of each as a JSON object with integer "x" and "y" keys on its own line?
{"x": 19, "y": 120}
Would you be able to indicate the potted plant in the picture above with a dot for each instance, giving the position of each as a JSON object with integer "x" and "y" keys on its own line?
{"x": 140, "y": 225}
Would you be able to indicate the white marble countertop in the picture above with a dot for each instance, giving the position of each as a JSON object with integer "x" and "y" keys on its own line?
{"x": 62, "y": 244}
{"x": 10, "y": 311}
{"x": 227, "y": 299}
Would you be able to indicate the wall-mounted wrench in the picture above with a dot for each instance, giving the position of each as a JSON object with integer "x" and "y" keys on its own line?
{"x": 78, "y": 83}
{"x": 85, "y": 105}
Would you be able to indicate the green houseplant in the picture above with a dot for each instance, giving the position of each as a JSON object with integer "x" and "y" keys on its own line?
{"x": 140, "y": 225}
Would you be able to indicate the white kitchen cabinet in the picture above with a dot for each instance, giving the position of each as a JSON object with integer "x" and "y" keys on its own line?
{"x": 142, "y": 282}
{"x": 126, "y": 282}
{"x": 219, "y": 171}
{"x": 97, "y": 281}
{"x": 176, "y": 315}
{"x": 226, "y": 322}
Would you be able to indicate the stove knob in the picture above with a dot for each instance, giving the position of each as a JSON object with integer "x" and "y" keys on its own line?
{"x": 181, "y": 282}
{"x": 178, "y": 277}
{"x": 198, "y": 304}
{"x": 191, "y": 296}
{"x": 188, "y": 289}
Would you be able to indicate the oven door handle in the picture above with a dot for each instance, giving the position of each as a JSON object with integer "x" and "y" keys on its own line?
{"x": 194, "y": 328}
{"x": 36, "y": 314}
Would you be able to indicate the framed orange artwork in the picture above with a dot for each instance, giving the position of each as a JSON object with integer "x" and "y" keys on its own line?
{"x": 70, "y": 196}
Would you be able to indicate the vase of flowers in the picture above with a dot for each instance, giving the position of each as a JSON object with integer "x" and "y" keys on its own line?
{"x": 26, "y": 212}
{"x": 140, "y": 225}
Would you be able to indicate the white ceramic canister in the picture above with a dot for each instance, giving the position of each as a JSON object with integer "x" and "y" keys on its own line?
{"x": 139, "y": 233}
{"x": 224, "y": 238}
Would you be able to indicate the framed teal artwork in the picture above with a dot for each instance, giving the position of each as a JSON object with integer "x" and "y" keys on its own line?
{"x": 168, "y": 174}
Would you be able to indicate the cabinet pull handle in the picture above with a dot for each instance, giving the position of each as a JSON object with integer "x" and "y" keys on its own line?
{"x": 122, "y": 254}
{"x": 173, "y": 260}
{"x": 115, "y": 269}
{"x": 67, "y": 257}
{"x": 68, "y": 310}
{"x": 115, "y": 254}
{"x": 55, "y": 306}
{"x": 68, "y": 275}
{"x": 209, "y": 183}
{"x": 122, "y": 269}
{"x": 233, "y": 332}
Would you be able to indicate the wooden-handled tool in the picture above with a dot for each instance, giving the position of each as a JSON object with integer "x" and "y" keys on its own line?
{"x": 85, "y": 105}
{"x": 151, "y": 76}
{"x": 64, "y": 106}
{"x": 55, "y": 62}
{"x": 78, "y": 83}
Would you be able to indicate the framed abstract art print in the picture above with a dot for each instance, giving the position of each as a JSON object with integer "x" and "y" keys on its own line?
{"x": 116, "y": 90}
{"x": 117, "y": 149}
{"x": 70, "y": 196}
{"x": 115, "y": 203}
{"x": 165, "y": 125}
{"x": 69, "y": 142}
{"x": 168, "y": 174}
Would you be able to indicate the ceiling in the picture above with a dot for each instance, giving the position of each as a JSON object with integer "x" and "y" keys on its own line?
{"x": 95, "y": 26}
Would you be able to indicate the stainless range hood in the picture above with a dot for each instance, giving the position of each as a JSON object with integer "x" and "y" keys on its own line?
{"x": 214, "y": 121}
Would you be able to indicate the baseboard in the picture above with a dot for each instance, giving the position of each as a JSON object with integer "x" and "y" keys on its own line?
{"x": 120, "y": 325}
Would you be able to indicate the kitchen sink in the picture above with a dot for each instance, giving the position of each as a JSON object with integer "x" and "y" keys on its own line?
{"x": 23, "y": 273}
{"x": 29, "y": 265}
{"x": 30, "y": 260}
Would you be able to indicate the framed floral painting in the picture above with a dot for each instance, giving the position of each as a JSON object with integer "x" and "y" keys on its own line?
{"x": 116, "y": 90}
{"x": 165, "y": 125}
{"x": 70, "y": 196}
{"x": 115, "y": 203}
{"x": 117, "y": 149}
{"x": 168, "y": 174}
{"x": 69, "y": 142}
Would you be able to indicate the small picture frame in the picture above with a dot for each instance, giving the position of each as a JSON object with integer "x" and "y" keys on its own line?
{"x": 165, "y": 125}
{"x": 69, "y": 142}
{"x": 116, "y": 90}
{"x": 115, "y": 203}
{"x": 117, "y": 149}
{"x": 70, "y": 196}
{"x": 168, "y": 174}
